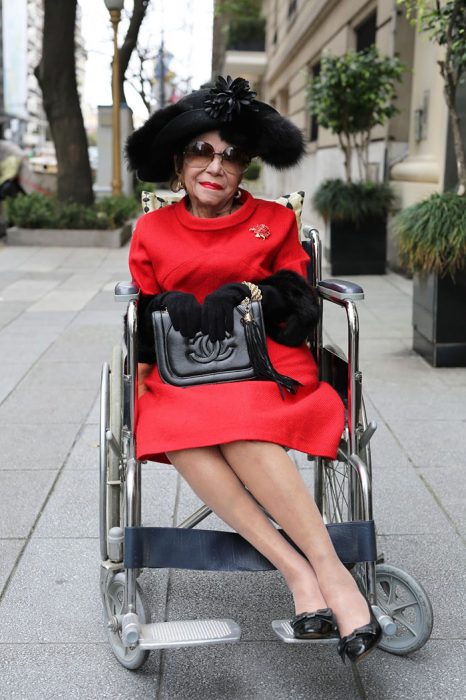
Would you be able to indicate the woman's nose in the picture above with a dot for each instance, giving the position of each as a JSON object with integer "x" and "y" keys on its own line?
{"x": 215, "y": 165}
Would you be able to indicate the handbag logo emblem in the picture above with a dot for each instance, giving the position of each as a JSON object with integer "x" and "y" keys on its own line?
{"x": 260, "y": 231}
{"x": 203, "y": 350}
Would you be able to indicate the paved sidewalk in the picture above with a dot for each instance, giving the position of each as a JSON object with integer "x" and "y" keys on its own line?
{"x": 58, "y": 323}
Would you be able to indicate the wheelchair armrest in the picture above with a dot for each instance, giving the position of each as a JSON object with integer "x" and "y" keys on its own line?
{"x": 340, "y": 290}
{"x": 125, "y": 291}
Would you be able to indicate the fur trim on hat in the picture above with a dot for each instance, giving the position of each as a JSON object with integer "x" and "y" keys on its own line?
{"x": 252, "y": 125}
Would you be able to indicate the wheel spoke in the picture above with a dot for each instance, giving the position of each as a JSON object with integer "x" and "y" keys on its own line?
{"x": 402, "y": 621}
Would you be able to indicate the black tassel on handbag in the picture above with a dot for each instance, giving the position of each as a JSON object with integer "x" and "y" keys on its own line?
{"x": 260, "y": 360}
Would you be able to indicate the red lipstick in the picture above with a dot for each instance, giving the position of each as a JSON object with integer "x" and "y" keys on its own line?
{"x": 211, "y": 185}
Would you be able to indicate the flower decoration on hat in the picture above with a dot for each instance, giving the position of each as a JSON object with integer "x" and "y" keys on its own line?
{"x": 226, "y": 99}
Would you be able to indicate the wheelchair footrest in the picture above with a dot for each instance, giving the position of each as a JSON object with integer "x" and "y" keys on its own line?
{"x": 284, "y": 631}
{"x": 186, "y": 633}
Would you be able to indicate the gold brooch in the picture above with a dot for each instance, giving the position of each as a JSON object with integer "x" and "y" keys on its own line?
{"x": 260, "y": 231}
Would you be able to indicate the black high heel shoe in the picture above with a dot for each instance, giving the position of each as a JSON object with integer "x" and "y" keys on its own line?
{"x": 361, "y": 641}
{"x": 320, "y": 624}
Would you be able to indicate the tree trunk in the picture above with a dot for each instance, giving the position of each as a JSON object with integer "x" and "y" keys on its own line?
{"x": 220, "y": 37}
{"x": 131, "y": 38}
{"x": 347, "y": 151}
{"x": 56, "y": 74}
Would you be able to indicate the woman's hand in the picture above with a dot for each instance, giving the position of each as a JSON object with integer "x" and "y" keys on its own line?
{"x": 184, "y": 310}
{"x": 217, "y": 309}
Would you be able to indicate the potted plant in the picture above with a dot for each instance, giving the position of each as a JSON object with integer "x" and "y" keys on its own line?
{"x": 40, "y": 220}
{"x": 432, "y": 233}
{"x": 353, "y": 94}
{"x": 432, "y": 244}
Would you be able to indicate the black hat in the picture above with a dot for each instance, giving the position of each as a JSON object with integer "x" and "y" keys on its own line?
{"x": 229, "y": 108}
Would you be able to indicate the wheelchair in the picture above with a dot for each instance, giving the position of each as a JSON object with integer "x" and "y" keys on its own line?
{"x": 342, "y": 490}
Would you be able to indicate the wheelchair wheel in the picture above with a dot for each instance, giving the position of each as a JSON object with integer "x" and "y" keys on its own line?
{"x": 401, "y": 597}
{"x": 110, "y": 419}
{"x": 131, "y": 658}
{"x": 339, "y": 498}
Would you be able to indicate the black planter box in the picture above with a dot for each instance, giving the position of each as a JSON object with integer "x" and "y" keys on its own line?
{"x": 357, "y": 249}
{"x": 439, "y": 319}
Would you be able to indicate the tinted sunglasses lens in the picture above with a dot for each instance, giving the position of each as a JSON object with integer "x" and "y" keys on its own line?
{"x": 199, "y": 153}
{"x": 234, "y": 159}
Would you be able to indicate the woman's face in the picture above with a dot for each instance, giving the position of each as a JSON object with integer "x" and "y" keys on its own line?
{"x": 211, "y": 184}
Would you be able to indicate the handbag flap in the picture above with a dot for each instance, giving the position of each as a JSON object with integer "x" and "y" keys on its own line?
{"x": 188, "y": 361}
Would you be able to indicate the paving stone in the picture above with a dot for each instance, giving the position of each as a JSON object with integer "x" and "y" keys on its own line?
{"x": 22, "y": 495}
{"x": 448, "y": 484}
{"x": 46, "y": 374}
{"x": 73, "y": 672}
{"x": 432, "y": 443}
{"x": 85, "y": 344}
{"x": 63, "y": 300}
{"x": 28, "y": 289}
{"x": 35, "y": 446}
{"x": 438, "y": 563}
{"x": 85, "y": 452}
{"x": 6, "y": 317}
{"x": 403, "y": 504}
{"x": 56, "y": 587}
{"x": 9, "y": 551}
{"x": 25, "y": 346}
{"x": 11, "y": 374}
{"x": 34, "y": 403}
{"x": 44, "y": 260}
{"x": 73, "y": 508}
{"x": 252, "y": 671}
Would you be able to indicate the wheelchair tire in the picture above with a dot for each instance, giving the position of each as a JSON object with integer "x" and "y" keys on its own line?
{"x": 114, "y": 494}
{"x": 111, "y": 402}
{"x": 131, "y": 658}
{"x": 401, "y": 597}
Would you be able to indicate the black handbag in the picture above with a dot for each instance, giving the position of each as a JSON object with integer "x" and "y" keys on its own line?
{"x": 241, "y": 355}
{"x": 188, "y": 361}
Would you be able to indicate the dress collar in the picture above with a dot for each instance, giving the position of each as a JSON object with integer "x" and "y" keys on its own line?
{"x": 248, "y": 205}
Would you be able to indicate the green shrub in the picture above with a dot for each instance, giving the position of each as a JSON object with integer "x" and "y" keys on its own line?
{"x": 352, "y": 201}
{"x": 253, "y": 171}
{"x": 431, "y": 235}
{"x": 36, "y": 211}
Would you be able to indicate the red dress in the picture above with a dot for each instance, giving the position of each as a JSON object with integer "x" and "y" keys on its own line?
{"x": 173, "y": 250}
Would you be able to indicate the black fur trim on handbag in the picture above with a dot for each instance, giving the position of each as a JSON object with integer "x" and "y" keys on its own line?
{"x": 300, "y": 309}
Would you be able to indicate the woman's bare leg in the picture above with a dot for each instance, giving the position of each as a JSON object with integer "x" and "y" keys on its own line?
{"x": 213, "y": 480}
{"x": 272, "y": 478}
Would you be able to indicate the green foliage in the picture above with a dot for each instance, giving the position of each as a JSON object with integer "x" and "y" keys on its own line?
{"x": 352, "y": 201}
{"x": 36, "y": 211}
{"x": 444, "y": 23}
{"x": 254, "y": 170}
{"x": 239, "y": 9}
{"x": 431, "y": 235}
{"x": 354, "y": 92}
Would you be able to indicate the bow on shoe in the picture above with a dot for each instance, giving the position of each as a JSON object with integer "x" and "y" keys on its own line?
{"x": 320, "y": 624}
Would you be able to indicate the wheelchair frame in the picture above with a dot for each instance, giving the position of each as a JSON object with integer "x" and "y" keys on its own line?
{"x": 342, "y": 490}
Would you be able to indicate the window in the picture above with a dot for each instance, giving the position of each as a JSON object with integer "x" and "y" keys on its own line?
{"x": 313, "y": 124}
{"x": 365, "y": 33}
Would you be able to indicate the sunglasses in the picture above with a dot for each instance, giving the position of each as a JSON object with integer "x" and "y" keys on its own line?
{"x": 199, "y": 154}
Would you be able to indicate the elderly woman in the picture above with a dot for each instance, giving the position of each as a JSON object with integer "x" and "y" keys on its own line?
{"x": 200, "y": 258}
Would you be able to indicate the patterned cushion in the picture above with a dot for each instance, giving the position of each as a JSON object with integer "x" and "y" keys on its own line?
{"x": 295, "y": 200}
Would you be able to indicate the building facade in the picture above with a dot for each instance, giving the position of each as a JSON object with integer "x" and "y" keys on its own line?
{"x": 411, "y": 150}
{"x": 22, "y": 115}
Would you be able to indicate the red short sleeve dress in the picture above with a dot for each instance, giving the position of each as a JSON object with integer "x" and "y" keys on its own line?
{"x": 173, "y": 250}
